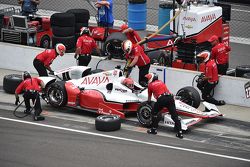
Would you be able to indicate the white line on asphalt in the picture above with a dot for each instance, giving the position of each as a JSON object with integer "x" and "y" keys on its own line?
{"x": 127, "y": 139}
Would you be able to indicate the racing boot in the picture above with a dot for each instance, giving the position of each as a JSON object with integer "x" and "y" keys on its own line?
{"x": 38, "y": 118}
{"x": 152, "y": 131}
{"x": 27, "y": 111}
{"x": 179, "y": 135}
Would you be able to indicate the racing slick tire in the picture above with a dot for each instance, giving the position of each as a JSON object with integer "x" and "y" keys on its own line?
{"x": 160, "y": 57}
{"x": 107, "y": 123}
{"x": 112, "y": 45}
{"x": 62, "y": 20}
{"x": 144, "y": 114}
{"x": 56, "y": 94}
{"x": 241, "y": 70}
{"x": 11, "y": 82}
{"x": 63, "y": 31}
{"x": 190, "y": 96}
{"x": 69, "y": 42}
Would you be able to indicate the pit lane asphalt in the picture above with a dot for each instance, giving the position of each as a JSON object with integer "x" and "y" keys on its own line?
{"x": 68, "y": 138}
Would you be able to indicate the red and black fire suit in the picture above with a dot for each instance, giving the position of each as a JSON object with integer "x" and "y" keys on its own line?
{"x": 43, "y": 61}
{"x": 31, "y": 88}
{"x": 143, "y": 62}
{"x": 85, "y": 44}
{"x": 164, "y": 99}
{"x": 220, "y": 54}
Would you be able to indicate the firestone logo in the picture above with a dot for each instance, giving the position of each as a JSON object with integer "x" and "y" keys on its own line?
{"x": 191, "y": 19}
{"x": 209, "y": 18}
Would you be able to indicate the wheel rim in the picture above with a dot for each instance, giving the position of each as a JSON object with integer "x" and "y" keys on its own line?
{"x": 144, "y": 115}
{"x": 55, "y": 96}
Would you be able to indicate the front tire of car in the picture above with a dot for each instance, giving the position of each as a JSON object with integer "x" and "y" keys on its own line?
{"x": 56, "y": 94}
{"x": 144, "y": 114}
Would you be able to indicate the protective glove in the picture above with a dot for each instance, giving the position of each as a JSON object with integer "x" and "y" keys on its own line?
{"x": 17, "y": 100}
{"x": 76, "y": 56}
{"x": 52, "y": 72}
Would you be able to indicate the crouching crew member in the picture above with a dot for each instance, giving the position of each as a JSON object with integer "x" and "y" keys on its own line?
{"x": 43, "y": 60}
{"x": 135, "y": 56}
{"x": 84, "y": 47}
{"x": 164, "y": 99}
{"x": 210, "y": 79}
{"x": 31, "y": 88}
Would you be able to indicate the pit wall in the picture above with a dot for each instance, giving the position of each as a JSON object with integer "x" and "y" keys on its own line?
{"x": 20, "y": 58}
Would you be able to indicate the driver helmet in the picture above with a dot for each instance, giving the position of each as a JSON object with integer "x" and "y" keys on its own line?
{"x": 60, "y": 49}
{"x": 205, "y": 55}
{"x": 151, "y": 77}
{"x": 26, "y": 75}
{"x": 127, "y": 46}
{"x": 128, "y": 82}
{"x": 84, "y": 30}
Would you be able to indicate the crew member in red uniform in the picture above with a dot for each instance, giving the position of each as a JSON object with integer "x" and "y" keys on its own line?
{"x": 164, "y": 99}
{"x": 43, "y": 60}
{"x": 136, "y": 56}
{"x": 84, "y": 47}
{"x": 131, "y": 34}
{"x": 220, "y": 54}
{"x": 210, "y": 79}
{"x": 31, "y": 88}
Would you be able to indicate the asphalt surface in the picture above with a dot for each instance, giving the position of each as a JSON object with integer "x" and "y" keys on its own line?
{"x": 68, "y": 137}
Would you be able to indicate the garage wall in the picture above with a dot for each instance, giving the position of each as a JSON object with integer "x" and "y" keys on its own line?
{"x": 19, "y": 57}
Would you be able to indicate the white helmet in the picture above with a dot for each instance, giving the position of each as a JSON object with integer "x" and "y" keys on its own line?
{"x": 151, "y": 77}
{"x": 60, "y": 49}
{"x": 127, "y": 46}
{"x": 205, "y": 55}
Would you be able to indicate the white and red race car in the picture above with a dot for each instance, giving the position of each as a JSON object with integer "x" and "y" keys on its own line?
{"x": 103, "y": 92}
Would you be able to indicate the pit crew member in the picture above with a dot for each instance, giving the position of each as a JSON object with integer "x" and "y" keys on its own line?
{"x": 220, "y": 54}
{"x": 135, "y": 56}
{"x": 210, "y": 79}
{"x": 43, "y": 60}
{"x": 28, "y": 6}
{"x": 164, "y": 99}
{"x": 31, "y": 88}
{"x": 84, "y": 47}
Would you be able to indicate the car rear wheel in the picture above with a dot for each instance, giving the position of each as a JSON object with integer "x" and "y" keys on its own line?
{"x": 144, "y": 114}
{"x": 107, "y": 123}
{"x": 56, "y": 94}
{"x": 190, "y": 96}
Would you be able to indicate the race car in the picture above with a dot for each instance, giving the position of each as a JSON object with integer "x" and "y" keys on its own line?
{"x": 103, "y": 92}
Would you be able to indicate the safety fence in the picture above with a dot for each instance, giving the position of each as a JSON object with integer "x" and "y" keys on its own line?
{"x": 240, "y": 14}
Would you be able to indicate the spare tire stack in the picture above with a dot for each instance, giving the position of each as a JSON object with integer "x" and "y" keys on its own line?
{"x": 63, "y": 30}
{"x": 241, "y": 70}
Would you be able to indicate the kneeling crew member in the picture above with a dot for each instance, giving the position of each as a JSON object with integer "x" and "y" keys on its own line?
{"x": 31, "y": 88}
{"x": 164, "y": 99}
{"x": 43, "y": 60}
{"x": 84, "y": 47}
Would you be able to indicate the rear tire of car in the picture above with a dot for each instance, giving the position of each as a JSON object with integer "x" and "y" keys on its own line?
{"x": 11, "y": 82}
{"x": 190, "y": 96}
{"x": 107, "y": 123}
{"x": 144, "y": 114}
{"x": 56, "y": 94}
{"x": 241, "y": 70}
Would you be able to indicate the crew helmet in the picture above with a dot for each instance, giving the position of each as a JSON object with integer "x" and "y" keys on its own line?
{"x": 205, "y": 55}
{"x": 127, "y": 46}
{"x": 129, "y": 82}
{"x": 84, "y": 30}
{"x": 124, "y": 27}
{"x": 151, "y": 77}
{"x": 60, "y": 49}
{"x": 26, "y": 75}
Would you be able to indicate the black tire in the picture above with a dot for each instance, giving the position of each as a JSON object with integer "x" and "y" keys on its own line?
{"x": 112, "y": 45}
{"x": 241, "y": 70}
{"x": 160, "y": 57}
{"x": 62, "y": 20}
{"x": 63, "y": 31}
{"x": 69, "y": 42}
{"x": 56, "y": 94}
{"x": 45, "y": 42}
{"x": 246, "y": 75}
{"x": 190, "y": 96}
{"x": 107, "y": 123}
{"x": 81, "y": 15}
{"x": 144, "y": 114}
{"x": 11, "y": 82}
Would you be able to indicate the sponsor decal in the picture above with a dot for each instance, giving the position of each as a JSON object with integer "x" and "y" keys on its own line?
{"x": 208, "y": 18}
{"x": 95, "y": 80}
{"x": 187, "y": 18}
{"x": 121, "y": 90}
{"x": 189, "y": 26}
{"x": 101, "y": 111}
{"x": 247, "y": 89}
